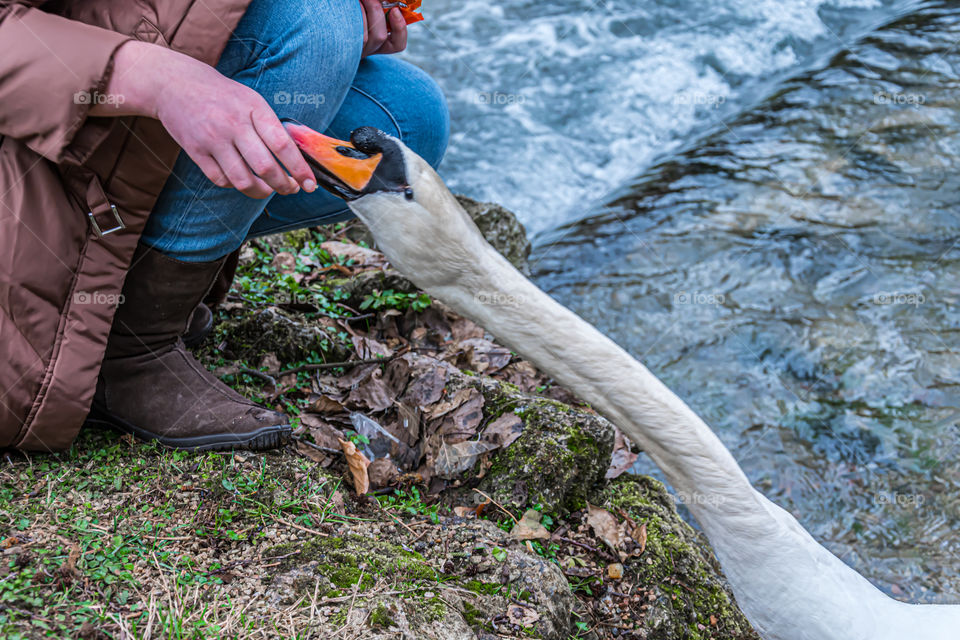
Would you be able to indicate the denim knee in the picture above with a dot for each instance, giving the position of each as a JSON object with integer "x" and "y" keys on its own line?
{"x": 431, "y": 137}
{"x": 312, "y": 51}
{"x": 401, "y": 99}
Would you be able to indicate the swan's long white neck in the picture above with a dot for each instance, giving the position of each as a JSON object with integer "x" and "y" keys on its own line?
{"x": 789, "y": 586}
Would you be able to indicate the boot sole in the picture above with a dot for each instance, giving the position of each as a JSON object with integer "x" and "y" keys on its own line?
{"x": 266, "y": 438}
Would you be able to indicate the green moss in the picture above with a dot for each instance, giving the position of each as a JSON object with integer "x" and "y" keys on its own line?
{"x": 346, "y": 577}
{"x": 436, "y": 609}
{"x": 678, "y": 565}
{"x": 347, "y": 560}
{"x": 380, "y": 617}
{"x": 483, "y": 588}
{"x": 475, "y": 617}
{"x": 560, "y": 460}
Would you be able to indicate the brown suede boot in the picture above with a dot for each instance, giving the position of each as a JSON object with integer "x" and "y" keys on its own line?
{"x": 152, "y": 387}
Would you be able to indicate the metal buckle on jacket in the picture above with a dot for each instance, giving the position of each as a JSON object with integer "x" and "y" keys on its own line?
{"x": 98, "y": 230}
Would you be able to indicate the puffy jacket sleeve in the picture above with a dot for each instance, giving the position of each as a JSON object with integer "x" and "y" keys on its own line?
{"x": 50, "y": 66}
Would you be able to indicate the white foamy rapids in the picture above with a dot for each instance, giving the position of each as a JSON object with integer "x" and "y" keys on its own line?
{"x": 555, "y": 104}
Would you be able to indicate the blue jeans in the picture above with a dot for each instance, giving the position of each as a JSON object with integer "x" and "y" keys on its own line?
{"x": 303, "y": 56}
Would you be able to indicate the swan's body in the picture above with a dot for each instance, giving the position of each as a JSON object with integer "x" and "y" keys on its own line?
{"x": 789, "y": 587}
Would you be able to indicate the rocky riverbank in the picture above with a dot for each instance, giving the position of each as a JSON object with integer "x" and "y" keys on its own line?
{"x": 439, "y": 488}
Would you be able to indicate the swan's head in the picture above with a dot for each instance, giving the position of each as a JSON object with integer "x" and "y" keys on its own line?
{"x": 415, "y": 219}
{"x": 372, "y": 162}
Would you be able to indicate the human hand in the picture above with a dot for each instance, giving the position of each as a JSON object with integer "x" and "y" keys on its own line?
{"x": 228, "y": 129}
{"x": 382, "y": 32}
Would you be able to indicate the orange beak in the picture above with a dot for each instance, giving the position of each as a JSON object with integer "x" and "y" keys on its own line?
{"x": 339, "y": 167}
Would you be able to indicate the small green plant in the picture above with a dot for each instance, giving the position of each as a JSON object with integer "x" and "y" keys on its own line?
{"x": 356, "y": 438}
{"x": 549, "y": 551}
{"x": 390, "y": 299}
{"x": 581, "y": 629}
{"x": 411, "y": 503}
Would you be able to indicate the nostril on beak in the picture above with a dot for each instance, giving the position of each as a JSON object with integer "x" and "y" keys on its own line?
{"x": 368, "y": 139}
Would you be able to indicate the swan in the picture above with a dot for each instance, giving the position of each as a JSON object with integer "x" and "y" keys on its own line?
{"x": 788, "y": 586}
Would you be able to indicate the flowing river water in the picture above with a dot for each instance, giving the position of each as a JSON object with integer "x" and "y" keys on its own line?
{"x": 758, "y": 199}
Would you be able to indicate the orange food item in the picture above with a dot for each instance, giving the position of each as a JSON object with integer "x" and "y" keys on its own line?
{"x": 408, "y": 8}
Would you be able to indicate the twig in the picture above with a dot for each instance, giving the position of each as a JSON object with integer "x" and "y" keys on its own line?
{"x": 583, "y": 545}
{"x": 380, "y": 594}
{"x": 400, "y": 522}
{"x": 297, "y": 526}
{"x": 266, "y": 377}
{"x": 286, "y": 555}
{"x": 317, "y": 446}
{"x": 500, "y": 506}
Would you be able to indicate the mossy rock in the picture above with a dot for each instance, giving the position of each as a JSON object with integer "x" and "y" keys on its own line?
{"x": 341, "y": 564}
{"x": 692, "y": 600}
{"x": 292, "y": 337}
{"x": 386, "y": 590}
{"x": 559, "y": 461}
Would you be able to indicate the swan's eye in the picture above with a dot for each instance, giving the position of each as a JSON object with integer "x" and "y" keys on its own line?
{"x": 408, "y": 192}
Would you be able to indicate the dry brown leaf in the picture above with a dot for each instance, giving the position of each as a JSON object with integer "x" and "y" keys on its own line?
{"x": 381, "y": 387}
{"x": 623, "y": 458}
{"x": 640, "y": 536}
{"x": 357, "y": 374}
{"x": 270, "y": 362}
{"x": 361, "y": 256}
{"x": 462, "y": 423}
{"x": 309, "y": 452}
{"x": 324, "y": 433}
{"x": 285, "y": 262}
{"x": 358, "y": 463}
{"x": 427, "y": 387}
{"x": 482, "y": 508}
{"x": 523, "y": 374}
{"x": 446, "y": 406}
{"x": 465, "y": 512}
{"x": 463, "y": 329}
{"x": 326, "y": 404}
{"x": 529, "y": 527}
{"x": 484, "y": 356}
{"x": 382, "y": 472}
{"x": 369, "y": 348}
{"x": 606, "y": 527}
{"x": 504, "y": 430}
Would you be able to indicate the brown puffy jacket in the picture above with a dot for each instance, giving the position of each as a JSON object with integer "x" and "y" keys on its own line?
{"x": 61, "y": 175}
